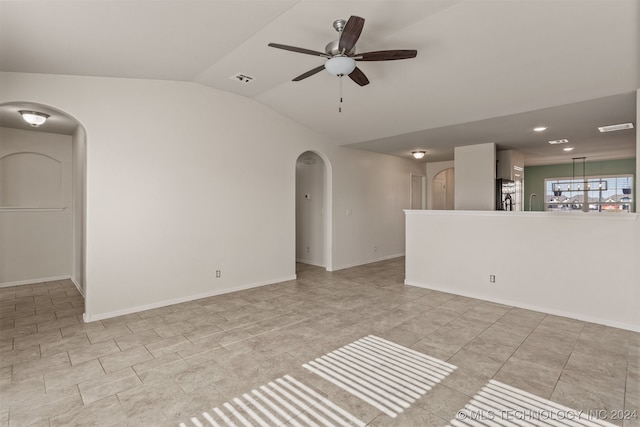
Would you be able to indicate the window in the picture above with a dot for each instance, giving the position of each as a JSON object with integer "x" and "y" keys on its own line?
{"x": 601, "y": 194}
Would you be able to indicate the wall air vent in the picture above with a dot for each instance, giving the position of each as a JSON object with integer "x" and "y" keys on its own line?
{"x": 242, "y": 78}
{"x": 614, "y": 128}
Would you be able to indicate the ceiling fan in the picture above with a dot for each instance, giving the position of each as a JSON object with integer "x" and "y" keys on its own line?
{"x": 341, "y": 54}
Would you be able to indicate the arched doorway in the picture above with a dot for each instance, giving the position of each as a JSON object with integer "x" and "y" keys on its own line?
{"x": 56, "y": 210}
{"x": 442, "y": 190}
{"x": 313, "y": 207}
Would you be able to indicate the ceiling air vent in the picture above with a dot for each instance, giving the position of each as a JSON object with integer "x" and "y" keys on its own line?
{"x": 614, "y": 128}
{"x": 242, "y": 78}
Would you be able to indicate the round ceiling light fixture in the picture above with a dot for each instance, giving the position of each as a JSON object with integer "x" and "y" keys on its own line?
{"x": 418, "y": 154}
{"x": 34, "y": 118}
{"x": 340, "y": 65}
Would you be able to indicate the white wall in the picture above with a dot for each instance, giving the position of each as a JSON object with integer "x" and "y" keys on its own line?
{"x": 79, "y": 152}
{"x": 310, "y": 209}
{"x": 578, "y": 265}
{"x": 475, "y": 177}
{"x": 369, "y": 194}
{"x": 36, "y": 217}
{"x": 173, "y": 195}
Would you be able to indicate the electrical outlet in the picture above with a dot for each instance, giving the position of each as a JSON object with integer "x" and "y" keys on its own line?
{"x": 218, "y": 274}
{"x": 375, "y": 249}
{"x": 307, "y": 249}
{"x": 492, "y": 278}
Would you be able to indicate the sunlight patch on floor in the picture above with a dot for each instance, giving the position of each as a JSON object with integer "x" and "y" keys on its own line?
{"x": 386, "y": 375}
{"x": 283, "y": 401}
{"x": 498, "y": 404}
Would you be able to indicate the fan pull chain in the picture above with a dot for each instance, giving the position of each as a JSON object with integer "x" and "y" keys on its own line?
{"x": 340, "y": 103}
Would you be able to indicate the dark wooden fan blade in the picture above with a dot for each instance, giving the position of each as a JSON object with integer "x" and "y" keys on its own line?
{"x": 298, "y": 50}
{"x": 309, "y": 73}
{"x": 358, "y": 76}
{"x": 350, "y": 34}
{"x": 386, "y": 55}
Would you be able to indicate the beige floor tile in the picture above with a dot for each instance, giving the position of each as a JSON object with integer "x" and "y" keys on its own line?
{"x": 65, "y": 377}
{"x": 20, "y": 355}
{"x": 539, "y": 377}
{"x": 415, "y": 417}
{"x": 93, "y": 351}
{"x": 579, "y": 397}
{"x": 39, "y": 409}
{"x": 479, "y": 363}
{"x": 57, "y": 324}
{"x": 36, "y": 339}
{"x": 127, "y": 358}
{"x": 151, "y": 397}
{"x": 102, "y": 413}
{"x": 443, "y": 401}
{"x": 21, "y": 390}
{"x": 36, "y": 368}
{"x": 12, "y": 332}
{"x": 168, "y": 345}
{"x": 64, "y": 345}
{"x": 108, "y": 385}
{"x": 81, "y": 329}
{"x": 126, "y": 342}
{"x": 105, "y": 334}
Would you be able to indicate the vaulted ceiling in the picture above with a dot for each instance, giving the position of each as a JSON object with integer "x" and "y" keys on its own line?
{"x": 486, "y": 70}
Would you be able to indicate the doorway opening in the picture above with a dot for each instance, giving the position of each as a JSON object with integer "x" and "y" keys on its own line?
{"x": 442, "y": 190}
{"x": 313, "y": 207}
{"x": 43, "y": 181}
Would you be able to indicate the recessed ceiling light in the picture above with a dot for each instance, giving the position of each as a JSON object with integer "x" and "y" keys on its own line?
{"x": 613, "y": 128}
{"x": 540, "y": 129}
{"x": 559, "y": 141}
{"x": 568, "y": 148}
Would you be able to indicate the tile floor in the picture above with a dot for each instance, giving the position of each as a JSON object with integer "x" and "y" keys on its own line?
{"x": 164, "y": 366}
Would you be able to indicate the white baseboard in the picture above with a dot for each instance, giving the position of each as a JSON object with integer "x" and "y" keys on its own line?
{"x": 33, "y": 281}
{"x": 370, "y": 261}
{"x": 78, "y": 287}
{"x": 87, "y": 317}
{"x": 555, "y": 312}
{"x": 304, "y": 261}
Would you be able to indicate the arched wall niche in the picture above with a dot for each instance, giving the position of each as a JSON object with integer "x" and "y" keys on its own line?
{"x": 51, "y": 197}
{"x": 433, "y": 169}
{"x": 30, "y": 180}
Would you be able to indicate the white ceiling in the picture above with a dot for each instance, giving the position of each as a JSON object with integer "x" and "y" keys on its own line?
{"x": 486, "y": 70}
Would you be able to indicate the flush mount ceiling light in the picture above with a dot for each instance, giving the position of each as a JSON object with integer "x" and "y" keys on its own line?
{"x": 614, "y": 128}
{"x": 418, "y": 154}
{"x": 540, "y": 129}
{"x": 34, "y": 118}
{"x": 340, "y": 65}
{"x": 559, "y": 141}
{"x": 568, "y": 149}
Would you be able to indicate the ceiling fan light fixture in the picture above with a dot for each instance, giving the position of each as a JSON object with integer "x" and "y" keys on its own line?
{"x": 418, "y": 154}
{"x": 34, "y": 118}
{"x": 340, "y": 65}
